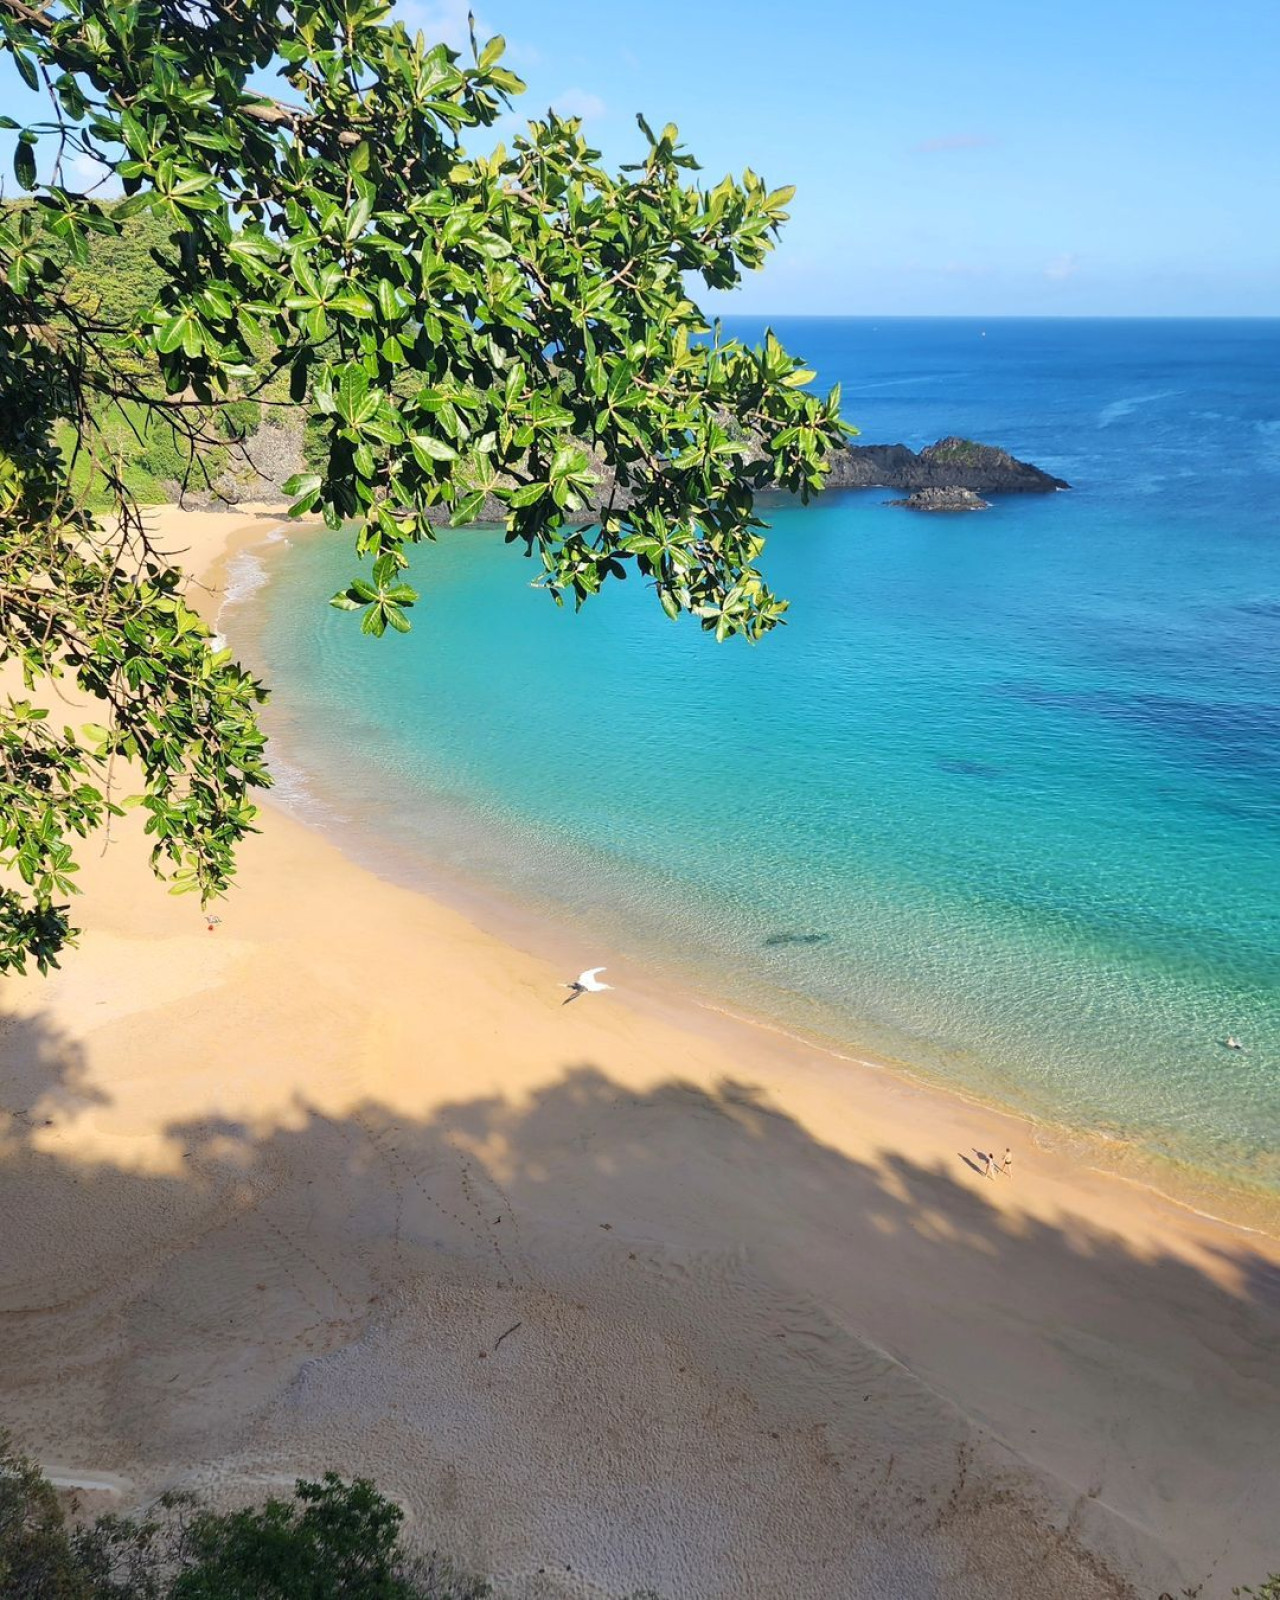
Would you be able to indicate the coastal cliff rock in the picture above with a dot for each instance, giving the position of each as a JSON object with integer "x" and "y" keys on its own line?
{"x": 943, "y": 500}
{"x": 262, "y": 463}
{"x": 952, "y": 463}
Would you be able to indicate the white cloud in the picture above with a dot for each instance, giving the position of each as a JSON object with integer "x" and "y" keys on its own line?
{"x": 86, "y": 174}
{"x": 522, "y": 56}
{"x": 443, "y": 21}
{"x": 578, "y": 103}
{"x": 502, "y": 131}
{"x": 1062, "y": 267}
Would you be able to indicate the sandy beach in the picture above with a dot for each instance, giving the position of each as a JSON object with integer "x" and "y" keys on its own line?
{"x": 608, "y": 1297}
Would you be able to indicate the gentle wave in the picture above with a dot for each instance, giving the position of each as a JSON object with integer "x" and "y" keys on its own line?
{"x": 247, "y": 572}
{"x": 1126, "y": 407}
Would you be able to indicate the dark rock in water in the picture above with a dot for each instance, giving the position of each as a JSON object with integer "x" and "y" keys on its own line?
{"x": 943, "y": 500}
{"x": 950, "y": 464}
{"x": 263, "y": 462}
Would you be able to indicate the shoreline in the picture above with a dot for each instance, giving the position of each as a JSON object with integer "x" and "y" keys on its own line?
{"x": 778, "y": 1333}
{"x": 659, "y": 984}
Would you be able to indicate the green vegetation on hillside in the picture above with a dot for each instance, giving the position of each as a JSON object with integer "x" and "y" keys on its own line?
{"x": 962, "y": 452}
{"x": 116, "y": 285}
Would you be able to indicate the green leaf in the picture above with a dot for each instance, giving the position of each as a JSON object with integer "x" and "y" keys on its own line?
{"x": 24, "y": 158}
{"x": 569, "y": 458}
{"x": 353, "y": 394}
{"x": 427, "y": 449}
{"x": 490, "y": 245}
{"x": 170, "y": 334}
{"x": 466, "y": 511}
{"x": 301, "y": 483}
{"x": 388, "y": 303}
{"x": 352, "y": 304}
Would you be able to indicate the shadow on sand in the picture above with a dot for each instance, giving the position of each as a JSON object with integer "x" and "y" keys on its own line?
{"x": 668, "y": 1336}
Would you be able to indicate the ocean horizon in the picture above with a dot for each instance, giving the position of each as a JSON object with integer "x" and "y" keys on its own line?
{"x": 999, "y": 804}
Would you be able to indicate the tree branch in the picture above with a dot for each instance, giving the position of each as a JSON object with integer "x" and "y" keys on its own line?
{"x": 274, "y": 113}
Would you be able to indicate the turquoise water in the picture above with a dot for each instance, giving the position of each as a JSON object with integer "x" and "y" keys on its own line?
{"x": 1001, "y": 802}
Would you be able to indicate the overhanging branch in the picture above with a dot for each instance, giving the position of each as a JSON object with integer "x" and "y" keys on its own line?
{"x": 274, "y": 113}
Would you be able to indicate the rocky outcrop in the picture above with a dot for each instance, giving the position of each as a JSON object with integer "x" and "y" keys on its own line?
{"x": 950, "y": 464}
{"x": 256, "y": 468}
{"x": 943, "y": 500}
{"x": 259, "y": 466}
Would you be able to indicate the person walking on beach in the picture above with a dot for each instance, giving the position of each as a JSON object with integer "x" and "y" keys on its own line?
{"x": 1005, "y": 1164}
{"x": 988, "y": 1161}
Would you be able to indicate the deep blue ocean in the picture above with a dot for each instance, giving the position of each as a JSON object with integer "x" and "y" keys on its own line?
{"x": 1001, "y": 803}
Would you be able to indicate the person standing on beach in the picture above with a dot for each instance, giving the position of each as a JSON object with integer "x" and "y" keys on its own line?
{"x": 1004, "y": 1165}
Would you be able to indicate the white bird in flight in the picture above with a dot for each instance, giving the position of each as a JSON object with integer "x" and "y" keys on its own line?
{"x": 587, "y": 982}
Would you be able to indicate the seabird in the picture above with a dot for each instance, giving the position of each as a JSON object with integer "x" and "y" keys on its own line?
{"x": 587, "y": 982}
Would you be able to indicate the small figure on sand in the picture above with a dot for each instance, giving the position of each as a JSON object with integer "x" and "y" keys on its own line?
{"x": 210, "y": 921}
{"x": 1006, "y": 1163}
{"x": 587, "y": 982}
{"x": 1232, "y": 1043}
{"x": 988, "y": 1161}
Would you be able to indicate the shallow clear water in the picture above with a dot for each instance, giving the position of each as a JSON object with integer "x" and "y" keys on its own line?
{"x": 1002, "y": 801}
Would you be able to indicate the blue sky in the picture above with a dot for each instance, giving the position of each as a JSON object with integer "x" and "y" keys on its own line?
{"x": 1000, "y": 157}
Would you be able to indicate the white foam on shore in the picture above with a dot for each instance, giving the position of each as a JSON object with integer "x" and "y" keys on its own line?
{"x": 292, "y": 792}
{"x": 247, "y": 573}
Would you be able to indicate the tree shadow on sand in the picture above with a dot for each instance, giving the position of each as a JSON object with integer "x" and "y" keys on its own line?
{"x": 661, "y": 1336}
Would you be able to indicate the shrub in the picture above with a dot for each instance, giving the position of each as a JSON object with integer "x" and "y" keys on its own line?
{"x": 333, "y": 1541}
{"x": 37, "y": 1561}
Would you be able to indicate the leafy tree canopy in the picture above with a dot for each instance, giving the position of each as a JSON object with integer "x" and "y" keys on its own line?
{"x": 514, "y": 324}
